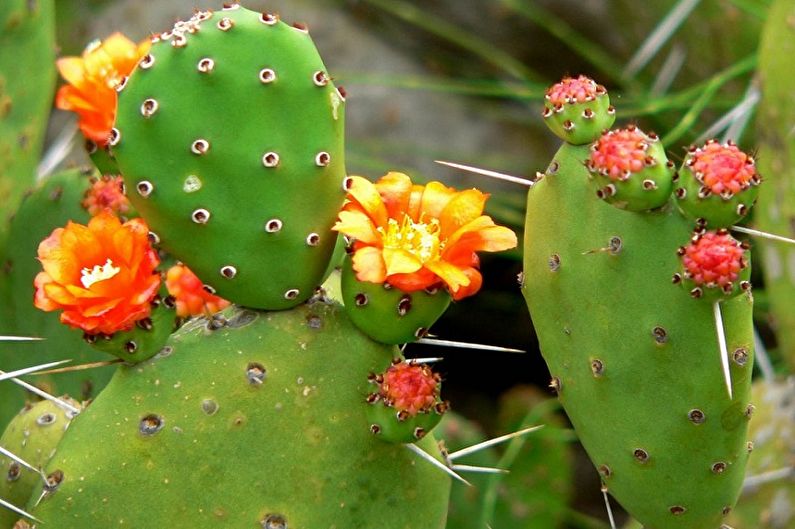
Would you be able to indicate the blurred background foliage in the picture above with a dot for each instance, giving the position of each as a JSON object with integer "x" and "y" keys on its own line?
{"x": 463, "y": 80}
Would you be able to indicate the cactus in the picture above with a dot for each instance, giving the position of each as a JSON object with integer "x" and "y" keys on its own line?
{"x": 246, "y": 127}
{"x": 777, "y": 163}
{"x": 288, "y": 390}
{"x": 32, "y": 435}
{"x": 635, "y": 359}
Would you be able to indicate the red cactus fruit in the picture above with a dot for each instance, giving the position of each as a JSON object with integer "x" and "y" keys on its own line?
{"x": 723, "y": 168}
{"x": 713, "y": 259}
{"x": 410, "y": 387}
{"x": 619, "y": 153}
{"x": 574, "y": 90}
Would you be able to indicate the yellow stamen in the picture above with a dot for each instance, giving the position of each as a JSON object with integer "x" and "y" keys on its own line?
{"x": 420, "y": 239}
{"x": 98, "y": 273}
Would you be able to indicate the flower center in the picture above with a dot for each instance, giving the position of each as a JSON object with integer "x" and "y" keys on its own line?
{"x": 421, "y": 239}
{"x": 89, "y": 276}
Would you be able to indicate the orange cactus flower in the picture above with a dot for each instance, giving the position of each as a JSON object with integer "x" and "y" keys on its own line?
{"x": 414, "y": 237}
{"x": 191, "y": 297}
{"x": 93, "y": 79}
{"x": 102, "y": 275}
{"x": 106, "y": 192}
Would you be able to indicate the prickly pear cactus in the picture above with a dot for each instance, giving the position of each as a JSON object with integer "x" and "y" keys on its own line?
{"x": 27, "y": 37}
{"x": 257, "y": 422}
{"x": 32, "y": 435}
{"x": 777, "y": 163}
{"x": 635, "y": 359}
{"x": 246, "y": 128}
{"x": 52, "y": 203}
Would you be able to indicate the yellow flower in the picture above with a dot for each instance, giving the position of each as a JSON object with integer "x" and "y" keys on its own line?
{"x": 415, "y": 237}
{"x": 93, "y": 79}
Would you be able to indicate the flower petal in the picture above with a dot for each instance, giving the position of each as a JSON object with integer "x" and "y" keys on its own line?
{"x": 481, "y": 234}
{"x": 463, "y": 208}
{"x": 475, "y": 282}
{"x": 366, "y": 194}
{"x": 395, "y": 191}
{"x": 434, "y": 199}
{"x": 399, "y": 261}
{"x": 449, "y": 273}
{"x": 357, "y": 224}
{"x": 369, "y": 265}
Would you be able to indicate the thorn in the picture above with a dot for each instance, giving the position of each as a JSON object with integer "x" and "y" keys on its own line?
{"x": 483, "y": 470}
{"x": 19, "y": 339}
{"x": 43, "y": 394}
{"x": 428, "y": 360}
{"x": 19, "y": 460}
{"x": 466, "y": 345}
{"x": 492, "y": 442}
{"x": 751, "y": 482}
{"x": 486, "y": 172}
{"x": 18, "y": 510}
{"x": 79, "y": 367}
{"x": 429, "y": 458}
{"x": 762, "y": 234}
{"x": 609, "y": 510}
{"x": 724, "y": 351}
{"x": 19, "y": 372}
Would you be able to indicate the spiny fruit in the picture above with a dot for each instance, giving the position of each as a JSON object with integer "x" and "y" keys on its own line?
{"x": 230, "y": 139}
{"x": 578, "y": 110}
{"x": 630, "y": 169}
{"x": 718, "y": 184}
{"x": 406, "y": 405}
{"x": 715, "y": 265}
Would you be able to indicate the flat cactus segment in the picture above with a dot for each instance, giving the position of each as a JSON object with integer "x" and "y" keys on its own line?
{"x": 775, "y": 119}
{"x": 261, "y": 419}
{"x": 230, "y": 139}
{"x": 33, "y": 436}
{"x": 634, "y": 359}
{"x": 27, "y": 80}
{"x": 52, "y": 203}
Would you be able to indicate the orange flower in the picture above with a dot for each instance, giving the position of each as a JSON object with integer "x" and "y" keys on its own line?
{"x": 93, "y": 79}
{"x": 102, "y": 275}
{"x": 191, "y": 297}
{"x": 106, "y": 192}
{"x": 414, "y": 237}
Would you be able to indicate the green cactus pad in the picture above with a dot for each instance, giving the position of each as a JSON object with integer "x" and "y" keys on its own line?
{"x": 635, "y": 361}
{"x": 387, "y": 314}
{"x": 630, "y": 169}
{"x": 257, "y": 422}
{"x": 32, "y": 435}
{"x": 50, "y": 205}
{"x": 718, "y": 184}
{"x": 406, "y": 405}
{"x": 578, "y": 110}
{"x": 230, "y": 138}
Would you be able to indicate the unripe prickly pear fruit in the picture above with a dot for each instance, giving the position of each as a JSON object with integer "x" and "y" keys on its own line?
{"x": 406, "y": 405}
{"x": 578, "y": 110}
{"x": 388, "y": 314}
{"x": 717, "y": 183}
{"x": 230, "y": 138}
{"x": 715, "y": 266}
{"x": 33, "y": 435}
{"x": 630, "y": 169}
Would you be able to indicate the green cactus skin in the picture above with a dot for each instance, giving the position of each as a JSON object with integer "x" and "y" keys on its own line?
{"x": 771, "y": 505}
{"x": 262, "y": 417}
{"x": 54, "y": 202}
{"x": 386, "y": 426}
{"x": 389, "y": 315}
{"x": 634, "y": 359}
{"x": 777, "y": 165}
{"x": 27, "y": 38}
{"x": 230, "y": 140}
{"x": 33, "y": 435}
